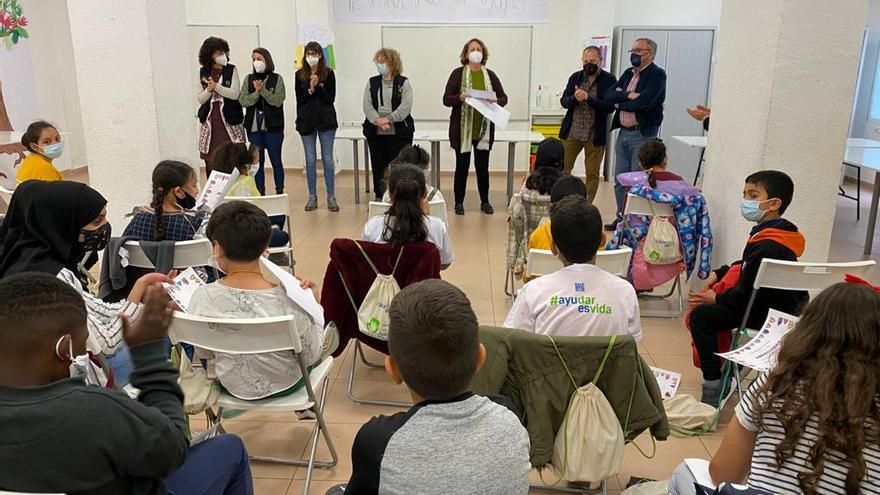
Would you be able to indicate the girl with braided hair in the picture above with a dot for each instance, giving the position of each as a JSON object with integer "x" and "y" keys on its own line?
{"x": 175, "y": 187}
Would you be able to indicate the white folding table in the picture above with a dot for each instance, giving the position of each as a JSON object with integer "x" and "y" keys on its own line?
{"x": 695, "y": 142}
{"x": 867, "y": 158}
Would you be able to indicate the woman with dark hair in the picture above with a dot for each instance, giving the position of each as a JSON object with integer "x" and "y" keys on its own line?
{"x": 43, "y": 143}
{"x": 388, "y": 125}
{"x": 316, "y": 120}
{"x": 468, "y": 130}
{"x": 220, "y": 112}
{"x": 812, "y": 424}
{"x": 262, "y": 96}
{"x": 407, "y": 219}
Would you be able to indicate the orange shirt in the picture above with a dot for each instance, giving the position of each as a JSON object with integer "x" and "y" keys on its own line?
{"x": 36, "y": 167}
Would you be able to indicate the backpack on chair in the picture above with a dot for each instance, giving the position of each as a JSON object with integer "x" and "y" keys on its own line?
{"x": 372, "y": 315}
{"x": 662, "y": 245}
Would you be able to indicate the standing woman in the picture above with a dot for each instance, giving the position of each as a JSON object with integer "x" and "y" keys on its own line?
{"x": 316, "y": 119}
{"x": 388, "y": 126}
{"x": 220, "y": 112}
{"x": 467, "y": 128}
{"x": 262, "y": 95}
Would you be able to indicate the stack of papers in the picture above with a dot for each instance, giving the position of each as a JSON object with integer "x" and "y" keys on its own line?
{"x": 492, "y": 111}
{"x": 183, "y": 288}
{"x": 760, "y": 352}
{"x": 668, "y": 382}
{"x": 215, "y": 189}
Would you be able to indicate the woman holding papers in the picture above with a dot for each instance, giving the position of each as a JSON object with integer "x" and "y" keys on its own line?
{"x": 468, "y": 129}
{"x": 388, "y": 125}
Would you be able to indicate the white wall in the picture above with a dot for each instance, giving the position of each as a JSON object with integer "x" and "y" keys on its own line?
{"x": 668, "y": 12}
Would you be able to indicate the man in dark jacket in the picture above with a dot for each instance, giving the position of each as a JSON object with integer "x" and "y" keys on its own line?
{"x": 638, "y": 97}
{"x": 585, "y": 126}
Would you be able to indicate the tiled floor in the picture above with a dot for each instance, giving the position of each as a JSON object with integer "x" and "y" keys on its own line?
{"x": 479, "y": 268}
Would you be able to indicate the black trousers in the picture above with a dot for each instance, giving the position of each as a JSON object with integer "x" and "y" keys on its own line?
{"x": 706, "y": 321}
{"x": 383, "y": 149}
{"x": 462, "y": 169}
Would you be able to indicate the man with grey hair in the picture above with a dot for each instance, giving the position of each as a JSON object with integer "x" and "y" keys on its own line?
{"x": 638, "y": 98}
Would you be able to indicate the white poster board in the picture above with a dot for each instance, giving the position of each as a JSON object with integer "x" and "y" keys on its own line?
{"x": 442, "y": 11}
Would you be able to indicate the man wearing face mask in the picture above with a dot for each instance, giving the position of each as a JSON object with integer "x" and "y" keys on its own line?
{"x": 585, "y": 126}
{"x": 388, "y": 125}
{"x": 638, "y": 97}
{"x": 101, "y": 441}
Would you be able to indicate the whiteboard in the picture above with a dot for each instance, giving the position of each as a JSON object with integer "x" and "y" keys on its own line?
{"x": 431, "y": 53}
{"x": 442, "y": 11}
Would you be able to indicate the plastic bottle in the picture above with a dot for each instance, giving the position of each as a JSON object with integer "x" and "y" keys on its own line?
{"x": 539, "y": 98}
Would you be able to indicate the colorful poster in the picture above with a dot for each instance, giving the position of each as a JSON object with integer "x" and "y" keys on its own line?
{"x": 215, "y": 189}
{"x": 760, "y": 352}
{"x": 185, "y": 285}
{"x": 668, "y": 382}
{"x": 306, "y": 32}
{"x": 604, "y": 45}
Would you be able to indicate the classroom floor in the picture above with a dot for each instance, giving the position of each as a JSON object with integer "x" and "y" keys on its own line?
{"x": 479, "y": 269}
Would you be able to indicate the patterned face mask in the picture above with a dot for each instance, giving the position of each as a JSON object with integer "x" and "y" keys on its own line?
{"x": 96, "y": 240}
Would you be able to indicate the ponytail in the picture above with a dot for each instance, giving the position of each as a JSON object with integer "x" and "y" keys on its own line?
{"x": 652, "y": 154}
{"x": 167, "y": 175}
{"x": 405, "y": 220}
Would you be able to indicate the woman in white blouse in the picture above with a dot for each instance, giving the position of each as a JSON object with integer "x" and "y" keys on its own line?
{"x": 220, "y": 112}
{"x": 407, "y": 219}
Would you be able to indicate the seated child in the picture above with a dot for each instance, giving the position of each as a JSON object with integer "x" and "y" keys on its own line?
{"x": 568, "y": 185}
{"x": 43, "y": 143}
{"x": 653, "y": 160}
{"x": 766, "y": 196}
{"x": 413, "y": 154}
{"x": 232, "y": 156}
{"x": 550, "y": 153}
{"x": 810, "y": 424}
{"x": 169, "y": 217}
{"x": 407, "y": 219}
{"x": 97, "y": 440}
{"x": 579, "y": 299}
{"x": 240, "y": 234}
{"x": 450, "y": 441}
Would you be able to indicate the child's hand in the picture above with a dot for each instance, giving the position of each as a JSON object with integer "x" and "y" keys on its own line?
{"x": 704, "y": 297}
{"x": 140, "y": 287}
{"x": 154, "y": 320}
{"x": 309, "y": 284}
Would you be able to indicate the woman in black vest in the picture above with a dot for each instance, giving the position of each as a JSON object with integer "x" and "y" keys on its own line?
{"x": 220, "y": 113}
{"x": 316, "y": 119}
{"x": 262, "y": 96}
{"x": 388, "y": 126}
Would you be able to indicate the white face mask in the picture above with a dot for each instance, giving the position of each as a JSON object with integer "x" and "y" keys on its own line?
{"x": 312, "y": 60}
{"x": 475, "y": 57}
{"x": 221, "y": 59}
{"x": 79, "y": 365}
{"x": 259, "y": 66}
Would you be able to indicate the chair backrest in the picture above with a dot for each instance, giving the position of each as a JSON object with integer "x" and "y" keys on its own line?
{"x": 236, "y": 336}
{"x": 379, "y": 208}
{"x": 541, "y": 262}
{"x": 273, "y": 205}
{"x": 197, "y": 252}
{"x": 6, "y": 195}
{"x": 637, "y": 205}
{"x": 614, "y": 261}
{"x": 536, "y": 208}
{"x": 802, "y": 275}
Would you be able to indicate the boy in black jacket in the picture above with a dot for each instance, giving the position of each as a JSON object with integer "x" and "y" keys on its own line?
{"x": 59, "y": 435}
{"x": 766, "y": 196}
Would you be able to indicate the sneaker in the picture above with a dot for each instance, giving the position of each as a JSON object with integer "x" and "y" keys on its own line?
{"x": 312, "y": 203}
{"x": 486, "y": 208}
{"x": 612, "y": 226}
{"x": 712, "y": 392}
{"x": 331, "y": 204}
{"x": 459, "y": 209}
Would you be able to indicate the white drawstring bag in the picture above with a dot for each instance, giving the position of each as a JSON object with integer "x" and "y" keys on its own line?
{"x": 199, "y": 392}
{"x": 686, "y": 415}
{"x": 590, "y": 443}
{"x": 372, "y": 315}
{"x": 662, "y": 245}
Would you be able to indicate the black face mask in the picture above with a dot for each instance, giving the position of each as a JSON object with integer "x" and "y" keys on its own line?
{"x": 95, "y": 240}
{"x": 187, "y": 202}
{"x": 590, "y": 69}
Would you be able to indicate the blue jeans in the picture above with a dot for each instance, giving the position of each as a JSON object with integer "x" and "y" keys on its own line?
{"x": 682, "y": 481}
{"x": 217, "y": 466}
{"x": 626, "y": 159}
{"x": 326, "y": 138}
{"x": 121, "y": 365}
{"x": 271, "y": 142}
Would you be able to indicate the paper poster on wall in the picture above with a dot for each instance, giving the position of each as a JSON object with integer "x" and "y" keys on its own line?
{"x": 603, "y": 43}
{"x": 442, "y": 11}
{"x": 306, "y": 32}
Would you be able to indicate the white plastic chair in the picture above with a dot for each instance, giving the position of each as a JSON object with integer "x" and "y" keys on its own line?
{"x": 437, "y": 209}
{"x": 637, "y": 205}
{"x": 196, "y": 252}
{"x": 795, "y": 276}
{"x": 615, "y": 261}
{"x": 255, "y": 336}
{"x": 273, "y": 205}
{"x": 542, "y": 261}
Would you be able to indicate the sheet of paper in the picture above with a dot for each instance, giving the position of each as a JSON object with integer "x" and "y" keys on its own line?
{"x": 304, "y": 298}
{"x": 668, "y": 382}
{"x": 185, "y": 285}
{"x": 492, "y": 111}
{"x": 700, "y": 469}
{"x": 760, "y": 352}
{"x": 481, "y": 94}
{"x": 215, "y": 189}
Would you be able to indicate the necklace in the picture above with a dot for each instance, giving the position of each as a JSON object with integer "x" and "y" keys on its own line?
{"x": 257, "y": 272}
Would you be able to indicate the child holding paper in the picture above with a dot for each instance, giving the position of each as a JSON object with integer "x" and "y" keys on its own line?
{"x": 167, "y": 218}
{"x": 240, "y": 234}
